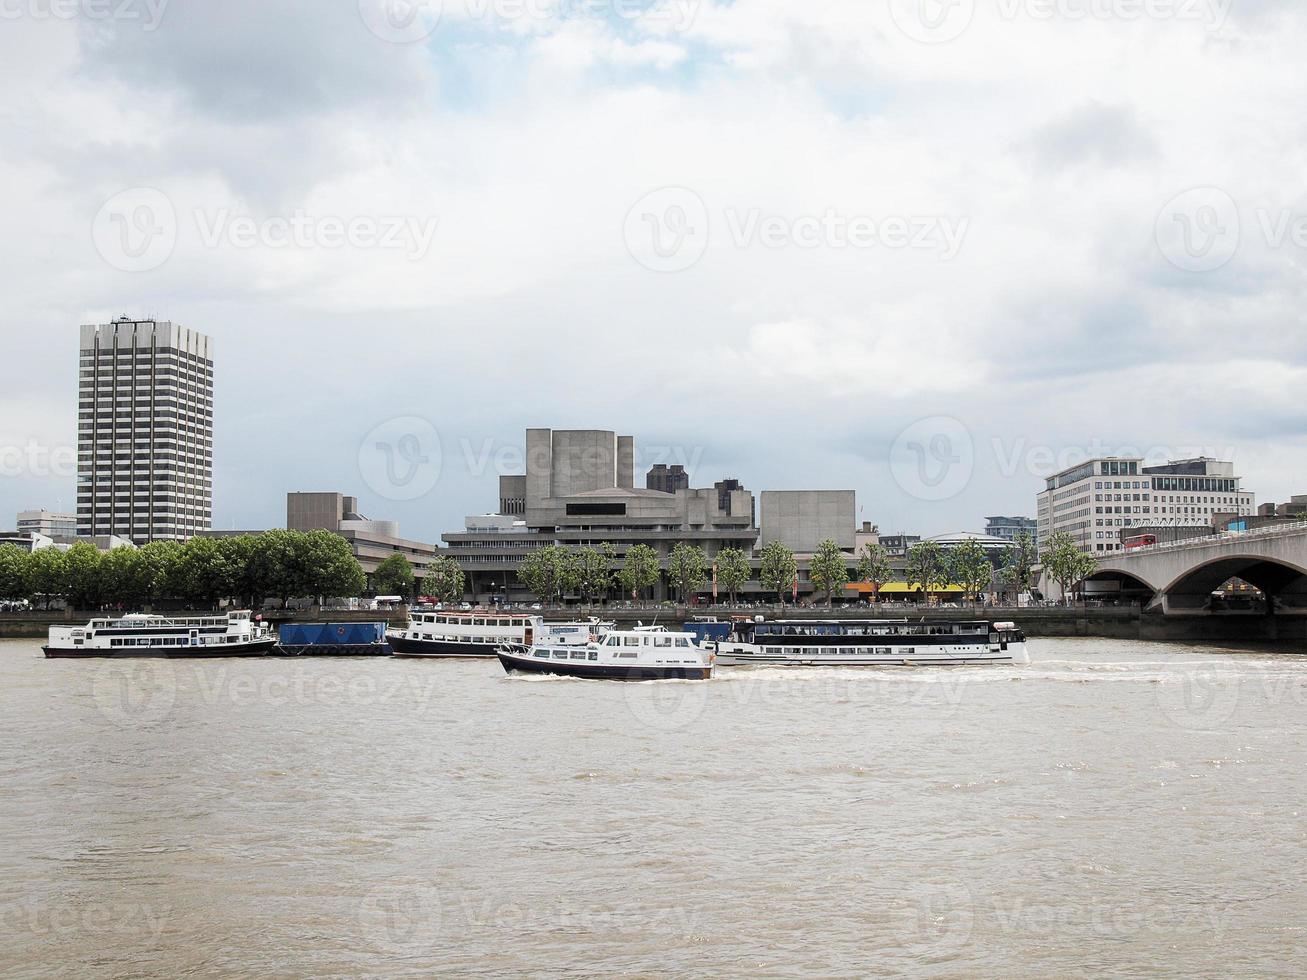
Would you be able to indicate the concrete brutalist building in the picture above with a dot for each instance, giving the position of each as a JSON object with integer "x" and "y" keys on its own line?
{"x": 579, "y": 491}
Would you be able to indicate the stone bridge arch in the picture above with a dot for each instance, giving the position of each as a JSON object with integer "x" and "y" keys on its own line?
{"x": 1191, "y": 590}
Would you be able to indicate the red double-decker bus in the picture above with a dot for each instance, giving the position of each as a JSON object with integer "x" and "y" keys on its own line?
{"x": 1140, "y": 541}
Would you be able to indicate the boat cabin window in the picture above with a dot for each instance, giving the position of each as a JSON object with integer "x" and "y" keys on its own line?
{"x": 662, "y": 641}
{"x": 682, "y": 641}
{"x": 632, "y": 641}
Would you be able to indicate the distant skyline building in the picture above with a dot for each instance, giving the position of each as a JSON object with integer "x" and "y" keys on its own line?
{"x": 51, "y": 524}
{"x": 667, "y": 479}
{"x": 1095, "y": 499}
{"x": 144, "y": 431}
{"x": 1010, "y": 528}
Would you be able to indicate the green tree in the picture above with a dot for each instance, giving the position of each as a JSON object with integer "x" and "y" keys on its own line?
{"x": 874, "y": 567}
{"x": 733, "y": 571}
{"x": 926, "y": 567}
{"x": 971, "y": 568}
{"x": 328, "y": 566}
{"x": 829, "y": 569}
{"x": 47, "y": 576}
{"x": 1067, "y": 565}
{"x": 202, "y": 575}
{"x": 279, "y": 565}
{"x": 82, "y": 575}
{"x": 121, "y": 581}
{"x": 444, "y": 579}
{"x": 394, "y": 576}
{"x": 157, "y": 570}
{"x": 640, "y": 571}
{"x": 238, "y": 554}
{"x": 13, "y": 573}
{"x": 778, "y": 570}
{"x": 687, "y": 567}
{"x": 1018, "y": 573}
{"x": 594, "y": 574}
{"x": 548, "y": 572}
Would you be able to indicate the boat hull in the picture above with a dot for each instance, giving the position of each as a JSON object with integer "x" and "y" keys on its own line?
{"x": 587, "y": 670}
{"x": 447, "y": 649}
{"x": 333, "y": 650}
{"x": 942, "y": 656}
{"x": 255, "y": 648}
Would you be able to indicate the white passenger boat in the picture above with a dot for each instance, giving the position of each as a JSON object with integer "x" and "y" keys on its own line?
{"x": 871, "y": 643}
{"x": 232, "y": 634}
{"x": 448, "y": 633}
{"x": 624, "y": 655}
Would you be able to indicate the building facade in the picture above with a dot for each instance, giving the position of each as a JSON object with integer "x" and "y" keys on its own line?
{"x": 47, "y": 523}
{"x": 144, "y": 431}
{"x": 1094, "y": 500}
{"x": 802, "y": 519}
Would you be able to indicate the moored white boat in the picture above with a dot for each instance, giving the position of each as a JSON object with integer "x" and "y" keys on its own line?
{"x": 623, "y": 655}
{"x": 232, "y": 634}
{"x": 871, "y": 643}
{"x": 447, "y": 633}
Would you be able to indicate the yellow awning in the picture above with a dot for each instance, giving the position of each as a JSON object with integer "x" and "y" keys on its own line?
{"x": 899, "y": 588}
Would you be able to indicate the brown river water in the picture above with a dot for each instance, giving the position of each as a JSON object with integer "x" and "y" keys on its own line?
{"x": 1114, "y": 808}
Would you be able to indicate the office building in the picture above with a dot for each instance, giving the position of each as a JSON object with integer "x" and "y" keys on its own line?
{"x": 47, "y": 523}
{"x": 1096, "y": 499}
{"x": 667, "y": 479}
{"x": 1011, "y": 528}
{"x": 144, "y": 431}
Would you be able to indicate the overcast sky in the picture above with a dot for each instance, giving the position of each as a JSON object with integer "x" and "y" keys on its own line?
{"x": 926, "y": 251}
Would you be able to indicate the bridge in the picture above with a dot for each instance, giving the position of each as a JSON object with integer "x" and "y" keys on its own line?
{"x": 1180, "y": 577}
